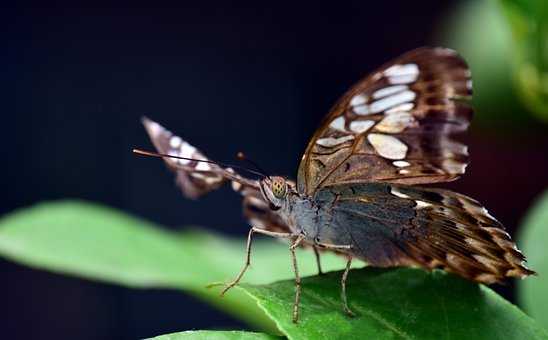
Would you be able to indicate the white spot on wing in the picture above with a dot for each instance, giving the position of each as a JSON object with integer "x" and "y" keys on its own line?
{"x": 203, "y": 166}
{"x": 187, "y": 150}
{"x": 175, "y": 142}
{"x": 331, "y": 141}
{"x": 469, "y": 84}
{"x": 388, "y": 146}
{"x": 401, "y": 164}
{"x": 391, "y": 101}
{"x": 362, "y": 110}
{"x": 400, "y": 108}
{"x": 401, "y": 70}
{"x": 422, "y": 204}
{"x": 398, "y": 193}
{"x": 386, "y": 91}
{"x": 338, "y": 124}
{"x": 406, "y": 79}
{"x": 358, "y": 99}
{"x": 395, "y": 123}
{"x": 360, "y": 126}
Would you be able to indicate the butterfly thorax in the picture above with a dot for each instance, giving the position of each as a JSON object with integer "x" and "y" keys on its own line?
{"x": 286, "y": 202}
{"x": 310, "y": 216}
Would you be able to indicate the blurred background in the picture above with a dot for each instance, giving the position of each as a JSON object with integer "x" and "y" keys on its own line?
{"x": 77, "y": 79}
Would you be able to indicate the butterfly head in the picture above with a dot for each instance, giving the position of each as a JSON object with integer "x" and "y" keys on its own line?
{"x": 275, "y": 190}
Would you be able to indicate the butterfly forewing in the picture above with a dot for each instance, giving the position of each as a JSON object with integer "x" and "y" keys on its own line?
{"x": 193, "y": 178}
{"x": 196, "y": 178}
{"x": 395, "y": 125}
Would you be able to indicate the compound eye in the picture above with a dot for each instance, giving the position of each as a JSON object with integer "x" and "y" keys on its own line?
{"x": 279, "y": 188}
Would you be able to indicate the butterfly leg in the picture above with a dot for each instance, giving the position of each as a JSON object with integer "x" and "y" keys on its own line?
{"x": 292, "y": 248}
{"x": 345, "y": 274}
{"x": 318, "y": 262}
{"x": 248, "y": 253}
{"x": 343, "y": 288}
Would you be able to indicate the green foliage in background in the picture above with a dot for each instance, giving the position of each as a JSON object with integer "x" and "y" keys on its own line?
{"x": 528, "y": 21}
{"x": 506, "y": 45}
{"x": 99, "y": 243}
{"x": 533, "y": 293}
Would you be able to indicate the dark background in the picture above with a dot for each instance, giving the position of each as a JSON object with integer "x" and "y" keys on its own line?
{"x": 226, "y": 78}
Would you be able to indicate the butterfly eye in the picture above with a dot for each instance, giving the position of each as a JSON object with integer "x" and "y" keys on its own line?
{"x": 278, "y": 187}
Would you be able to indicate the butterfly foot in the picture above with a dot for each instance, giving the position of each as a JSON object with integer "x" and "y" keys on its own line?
{"x": 213, "y": 285}
{"x": 348, "y": 312}
{"x": 227, "y": 288}
{"x": 295, "y": 317}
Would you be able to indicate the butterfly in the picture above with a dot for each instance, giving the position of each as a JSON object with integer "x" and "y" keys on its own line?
{"x": 356, "y": 191}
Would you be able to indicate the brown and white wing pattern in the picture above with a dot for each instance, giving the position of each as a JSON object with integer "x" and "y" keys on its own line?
{"x": 456, "y": 233}
{"x": 198, "y": 178}
{"x": 193, "y": 178}
{"x": 399, "y": 225}
{"x": 395, "y": 125}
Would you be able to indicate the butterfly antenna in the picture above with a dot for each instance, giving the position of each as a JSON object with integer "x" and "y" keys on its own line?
{"x": 241, "y": 156}
{"x": 162, "y": 155}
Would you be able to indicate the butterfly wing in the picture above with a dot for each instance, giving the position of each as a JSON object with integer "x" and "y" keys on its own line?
{"x": 399, "y": 225}
{"x": 193, "y": 178}
{"x": 395, "y": 125}
{"x": 197, "y": 178}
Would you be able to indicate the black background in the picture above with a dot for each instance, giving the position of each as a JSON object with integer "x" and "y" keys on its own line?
{"x": 225, "y": 77}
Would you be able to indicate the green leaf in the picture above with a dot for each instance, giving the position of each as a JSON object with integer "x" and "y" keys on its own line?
{"x": 99, "y": 243}
{"x": 400, "y": 303}
{"x": 216, "y": 335}
{"x": 533, "y": 292}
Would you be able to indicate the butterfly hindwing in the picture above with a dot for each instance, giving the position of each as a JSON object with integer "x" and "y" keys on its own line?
{"x": 395, "y": 125}
{"x": 399, "y": 225}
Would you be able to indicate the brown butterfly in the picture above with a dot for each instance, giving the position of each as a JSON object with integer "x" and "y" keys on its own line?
{"x": 355, "y": 192}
